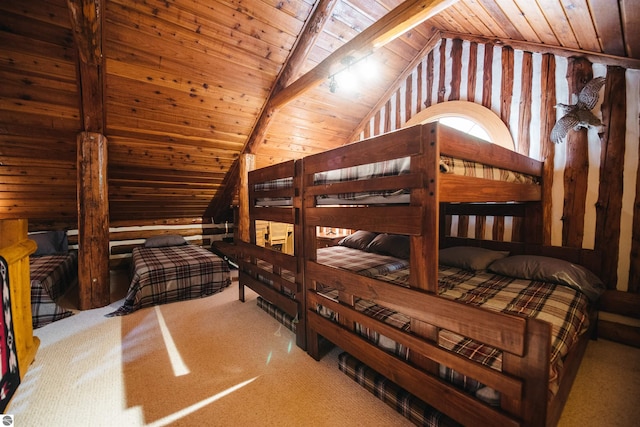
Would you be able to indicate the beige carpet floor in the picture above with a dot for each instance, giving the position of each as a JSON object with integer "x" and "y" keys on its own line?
{"x": 219, "y": 362}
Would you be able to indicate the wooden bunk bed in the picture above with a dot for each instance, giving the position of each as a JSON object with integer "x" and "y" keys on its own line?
{"x": 276, "y": 275}
{"x": 421, "y": 212}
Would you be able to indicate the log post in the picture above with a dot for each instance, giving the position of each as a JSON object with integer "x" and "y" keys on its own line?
{"x": 93, "y": 221}
{"x": 247, "y": 164}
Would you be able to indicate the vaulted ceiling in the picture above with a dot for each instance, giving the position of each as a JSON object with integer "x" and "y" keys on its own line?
{"x": 180, "y": 88}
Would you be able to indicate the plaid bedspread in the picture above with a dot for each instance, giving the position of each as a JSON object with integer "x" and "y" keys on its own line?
{"x": 51, "y": 277}
{"x": 173, "y": 273}
{"x": 564, "y": 308}
{"x": 391, "y": 168}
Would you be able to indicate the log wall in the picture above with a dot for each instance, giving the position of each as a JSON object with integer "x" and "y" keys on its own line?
{"x": 521, "y": 88}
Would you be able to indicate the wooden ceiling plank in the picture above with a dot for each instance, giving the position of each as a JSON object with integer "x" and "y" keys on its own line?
{"x": 557, "y": 19}
{"x": 46, "y": 12}
{"x": 606, "y": 17}
{"x": 581, "y": 21}
{"x": 514, "y": 17}
{"x": 630, "y": 20}
{"x": 479, "y": 18}
{"x": 532, "y": 12}
{"x": 199, "y": 33}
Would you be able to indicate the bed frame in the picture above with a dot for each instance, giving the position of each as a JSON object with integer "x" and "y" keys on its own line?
{"x": 434, "y": 198}
{"x": 281, "y": 292}
{"x": 15, "y": 248}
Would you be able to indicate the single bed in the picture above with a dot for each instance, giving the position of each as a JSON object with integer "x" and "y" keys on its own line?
{"x": 168, "y": 269}
{"x": 54, "y": 273}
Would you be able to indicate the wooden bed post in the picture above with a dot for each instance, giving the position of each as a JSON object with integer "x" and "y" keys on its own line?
{"x": 15, "y": 248}
{"x": 247, "y": 164}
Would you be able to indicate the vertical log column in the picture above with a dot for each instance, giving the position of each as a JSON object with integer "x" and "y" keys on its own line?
{"x": 93, "y": 221}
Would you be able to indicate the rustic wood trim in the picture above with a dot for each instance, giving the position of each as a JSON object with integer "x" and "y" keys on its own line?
{"x": 579, "y": 73}
{"x": 506, "y": 84}
{"x": 524, "y": 116}
{"x": 622, "y": 303}
{"x": 487, "y": 76}
{"x": 595, "y": 57}
{"x": 625, "y": 334}
{"x": 472, "y": 75}
{"x": 547, "y": 148}
{"x": 442, "y": 89}
{"x": 609, "y": 204}
{"x": 456, "y": 67}
{"x": 634, "y": 268}
{"x": 247, "y": 163}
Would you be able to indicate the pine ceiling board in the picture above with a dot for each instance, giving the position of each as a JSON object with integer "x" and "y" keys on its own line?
{"x": 54, "y": 12}
{"x": 180, "y": 145}
{"x": 473, "y": 24}
{"x": 227, "y": 91}
{"x": 202, "y": 106}
{"x": 555, "y": 13}
{"x": 29, "y": 148}
{"x": 258, "y": 11}
{"x": 168, "y": 176}
{"x": 581, "y": 22}
{"x": 502, "y": 21}
{"x": 231, "y": 142}
{"x": 167, "y": 48}
{"x": 512, "y": 13}
{"x": 36, "y": 30}
{"x": 298, "y": 9}
{"x": 607, "y": 20}
{"x": 118, "y": 122}
{"x": 535, "y": 17}
{"x": 217, "y": 126}
{"x": 489, "y": 23}
{"x": 21, "y": 86}
{"x": 205, "y": 32}
{"x": 630, "y": 20}
{"x": 160, "y": 155}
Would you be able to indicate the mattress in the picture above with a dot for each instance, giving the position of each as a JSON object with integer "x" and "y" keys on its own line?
{"x": 394, "y": 167}
{"x": 51, "y": 277}
{"x": 563, "y": 307}
{"x": 173, "y": 273}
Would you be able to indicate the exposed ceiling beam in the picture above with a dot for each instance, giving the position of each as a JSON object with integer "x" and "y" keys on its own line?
{"x": 391, "y": 26}
{"x": 86, "y": 22}
{"x": 304, "y": 44}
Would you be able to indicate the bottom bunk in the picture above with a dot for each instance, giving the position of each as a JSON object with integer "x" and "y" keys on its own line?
{"x": 272, "y": 275}
{"x": 54, "y": 275}
{"x": 488, "y": 350}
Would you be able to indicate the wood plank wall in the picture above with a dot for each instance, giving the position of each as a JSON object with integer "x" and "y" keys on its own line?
{"x": 126, "y": 235}
{"x": 521, "y": 88}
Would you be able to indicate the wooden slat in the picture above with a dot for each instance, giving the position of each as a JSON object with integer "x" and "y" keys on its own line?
{"x": 407, "y": 220}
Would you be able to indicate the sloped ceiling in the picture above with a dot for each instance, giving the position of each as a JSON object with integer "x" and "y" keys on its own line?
{"x": 188, "y": 85}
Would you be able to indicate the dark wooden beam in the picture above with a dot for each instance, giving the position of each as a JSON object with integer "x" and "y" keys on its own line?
{"x": 93, "y": 201}
{"x": 395, "y": 23}
{"x": 313, "y": 28}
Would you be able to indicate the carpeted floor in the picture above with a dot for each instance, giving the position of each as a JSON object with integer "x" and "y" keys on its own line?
{"x": 221, "y": 362}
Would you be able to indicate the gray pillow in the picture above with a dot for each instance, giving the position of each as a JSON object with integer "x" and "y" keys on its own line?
{"x": 546, "y": 269}
{"x": 50, "y": 242}
{"x": 390, "y": 244}
{"x": 358, "y": 240}
{"x": 469, "y": 257}
{"x": 165, "y": 240}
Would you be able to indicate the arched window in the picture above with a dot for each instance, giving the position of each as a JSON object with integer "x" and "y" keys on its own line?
{"x": 467, "y": 117}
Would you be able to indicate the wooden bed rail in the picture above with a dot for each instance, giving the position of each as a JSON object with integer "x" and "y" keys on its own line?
{"x": 525, "y": 345}
{"x": 15, "y": 248}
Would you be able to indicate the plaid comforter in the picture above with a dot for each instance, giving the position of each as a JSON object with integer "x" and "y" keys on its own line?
{"x": 51, "y": 277}
{"x": 391, "y": 168}
{"x": 173, "y": 273}
{"x": 564, "y": 308}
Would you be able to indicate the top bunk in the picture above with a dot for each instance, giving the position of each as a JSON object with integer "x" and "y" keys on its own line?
{"x": 390, "y": 168}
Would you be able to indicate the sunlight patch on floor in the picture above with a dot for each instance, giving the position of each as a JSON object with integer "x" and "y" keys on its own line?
{"x": 179, "y": 368}
{"x": 197, "y": 406}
